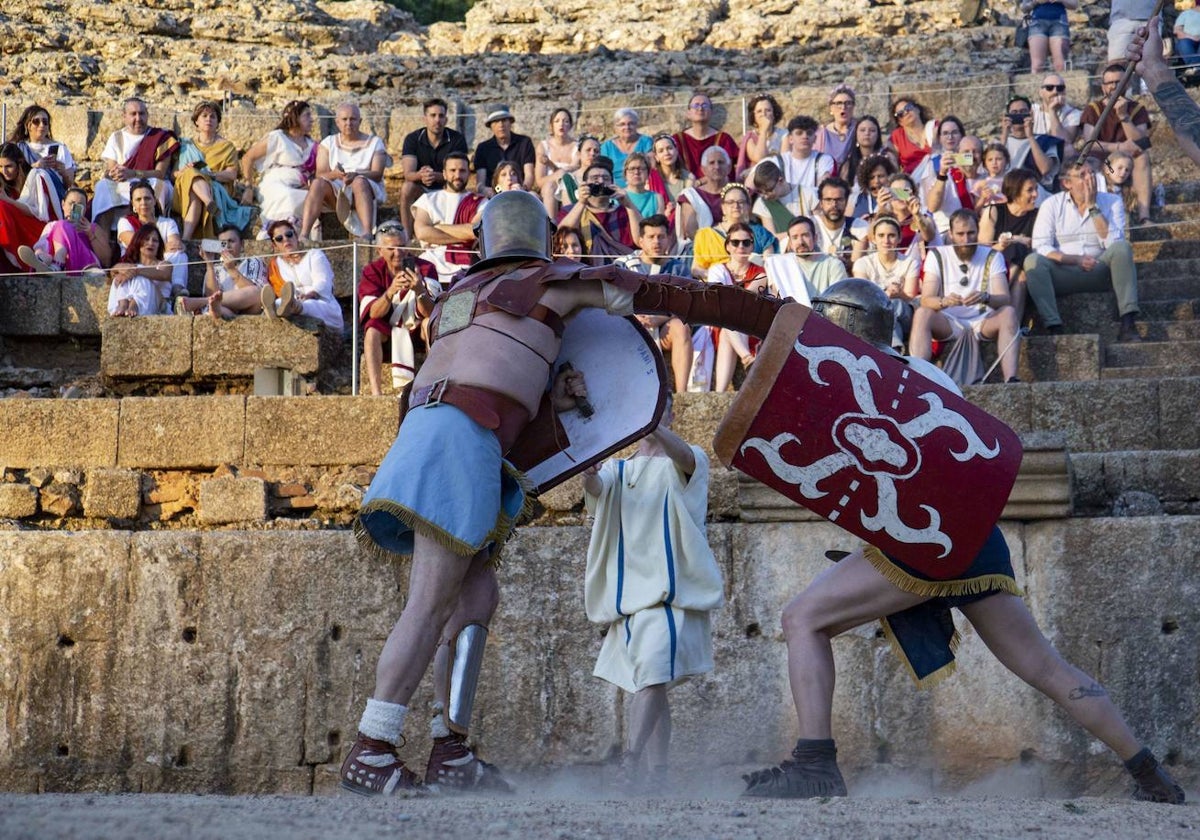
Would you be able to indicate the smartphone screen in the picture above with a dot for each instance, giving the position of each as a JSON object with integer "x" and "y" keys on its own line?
{"x": 901, "y": 194}
{"x": 52, "y": 150}
{"x": 77, "y": 213}
{"x": 210, "y": 246}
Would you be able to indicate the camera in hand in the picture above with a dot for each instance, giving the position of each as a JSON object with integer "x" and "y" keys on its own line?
{"x": 602, "y": 189}
{"x": 408, "y": 263}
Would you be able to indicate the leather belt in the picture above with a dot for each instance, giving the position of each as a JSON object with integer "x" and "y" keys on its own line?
{"x": 490, "y": 409}
{"x": 540, "y": 313}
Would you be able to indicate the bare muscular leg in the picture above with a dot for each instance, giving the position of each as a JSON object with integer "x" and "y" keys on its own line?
{"x": 434, "y": 587}
{"x": 1010, "y": 632}
{"x": 841, "y": 598}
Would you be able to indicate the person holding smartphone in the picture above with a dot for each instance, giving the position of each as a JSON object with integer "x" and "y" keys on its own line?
{"x": 395, "y": 296}
{"x": 73, "y": 244}
{"x": 51, "y": 166}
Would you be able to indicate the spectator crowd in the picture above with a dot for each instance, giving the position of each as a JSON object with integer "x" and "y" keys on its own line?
{"x": 969, "y": 236}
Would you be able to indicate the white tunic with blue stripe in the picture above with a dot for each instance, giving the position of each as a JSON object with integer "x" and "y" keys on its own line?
{"x": 651, "y": 575}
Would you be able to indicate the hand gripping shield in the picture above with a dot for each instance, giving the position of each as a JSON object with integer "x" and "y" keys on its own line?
{"x": 624, "y": 372}
{"x": 854, "y": 435}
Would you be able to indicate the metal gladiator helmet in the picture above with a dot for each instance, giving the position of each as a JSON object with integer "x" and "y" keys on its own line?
{"x": 860, "y": 308}
{"x": 513, "y": 224}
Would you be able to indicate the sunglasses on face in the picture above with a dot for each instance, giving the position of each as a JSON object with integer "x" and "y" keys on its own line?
{"x": 900, "y": 112}
{"x": 40, "y": 121}
{"x": 1055, "y": 88}
{"x": 284, "y": 237}
{"x": 741, "y": 243}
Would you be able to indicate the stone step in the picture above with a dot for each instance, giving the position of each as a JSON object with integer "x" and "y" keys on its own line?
{"x": 1145, "y": 251}
{"x": 1170, "y": 267}
{"x": 1150, "y": 371}
{"x": 1157, "y": 287}
{"x": 1096, "y": 312}
{"x": 1152, "y": 354}
{"x": 1122, "y": 482}
{"x": 1103, "y": 415}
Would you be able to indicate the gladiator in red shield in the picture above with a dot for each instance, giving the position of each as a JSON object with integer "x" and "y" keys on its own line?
{"x": 858, "y": 437}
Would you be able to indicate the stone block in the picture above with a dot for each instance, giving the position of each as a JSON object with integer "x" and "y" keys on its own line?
{"x": 18, "y": 501}
{"x": 1172, "y": 477}
{"x": 30, "y": 304}
{"x": 237, "y": 347}
{"x": 1099, "y": 416}
{"x": 1047, "y": 358}
{"x": 84, "y": 304}
{"x": 73, "y": 126}
{"x": 165, "y": 432}
{"x": 1178, "y": 399}
{"x": 151, "y": 347}
{"x": 112, "y": 494}
{"x": 231, "y": 499}
{"x": 1012, "y": 404}
{"x": 82, "y": 433}
{"x": 59, "y": 499}
{"x": 1119, "y": 598}
{"x": 319, "y": 430}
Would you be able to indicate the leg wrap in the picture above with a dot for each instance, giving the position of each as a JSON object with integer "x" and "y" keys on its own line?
{"x": 466, "y": 658}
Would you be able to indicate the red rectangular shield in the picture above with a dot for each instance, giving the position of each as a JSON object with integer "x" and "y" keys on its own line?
{"x": 859, "y": 437}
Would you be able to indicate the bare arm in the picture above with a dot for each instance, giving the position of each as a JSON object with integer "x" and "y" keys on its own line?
{"x": 253, "y": 155}
{"x": 444, "y": 234}
{"x": 1180, "y": 110}
{"x": 677, "y": 449}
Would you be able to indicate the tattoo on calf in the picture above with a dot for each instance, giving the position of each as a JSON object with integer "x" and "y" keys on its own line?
{"x": 1180, "y": 109}
{"x": 1093, "y": 690}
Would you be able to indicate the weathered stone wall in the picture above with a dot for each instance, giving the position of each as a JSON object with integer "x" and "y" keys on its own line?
{"x": 239, "y": 661}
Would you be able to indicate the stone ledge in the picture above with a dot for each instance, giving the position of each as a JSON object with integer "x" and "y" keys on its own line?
{"x": 221, "y": 350}
{"x": 30, "y": 304}
{"x": 39, "y": 433}
{"x": 150, "y": 347}
{"x": 176, "y": 432}
{"x": 320, "y": 430}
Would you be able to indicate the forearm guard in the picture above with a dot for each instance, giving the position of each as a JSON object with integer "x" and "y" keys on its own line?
{"x": 693, "y": 302}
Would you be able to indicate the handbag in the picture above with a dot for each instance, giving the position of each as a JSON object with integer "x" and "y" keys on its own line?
{"x": 1021, "y": 34}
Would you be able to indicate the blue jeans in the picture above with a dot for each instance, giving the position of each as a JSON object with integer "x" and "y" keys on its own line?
{"x": 1189, "y": 51}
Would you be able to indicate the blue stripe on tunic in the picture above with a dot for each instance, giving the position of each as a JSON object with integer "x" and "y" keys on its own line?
{"x": 620, "y": 544}
{"x": 674, "y": 636}
{"x": 667, "y": 548}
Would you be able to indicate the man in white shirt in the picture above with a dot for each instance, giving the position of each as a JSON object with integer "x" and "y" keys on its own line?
{"x": 965, "y": 289}
{"x": 1052, "y": 114}
{"x": 125, "y": 161}
{"x": 1079, "y": 246}
{"x": 440, "y": 226}
{"x": 804, "y": 166}
{"x": 836, "y": 232}
{"x": 816, "y": 271}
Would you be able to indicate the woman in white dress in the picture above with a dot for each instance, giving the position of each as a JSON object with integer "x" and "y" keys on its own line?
{"x": 286, "y": 157}
{"x": 138, "y": 278}
{"x": 557, "y": 155}
{"x": 142, "y": 200}
{"x": 896, "y": 273}
{"x": 349, "y": 176}
{"x": 51, "y": 166}
{"x": 303, "y": 280}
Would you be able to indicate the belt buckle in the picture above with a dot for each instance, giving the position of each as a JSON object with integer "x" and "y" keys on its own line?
{"x": 436, "y": 390}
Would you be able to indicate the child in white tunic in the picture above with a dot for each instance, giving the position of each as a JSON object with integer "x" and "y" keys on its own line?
{"x": 652, "y": 578}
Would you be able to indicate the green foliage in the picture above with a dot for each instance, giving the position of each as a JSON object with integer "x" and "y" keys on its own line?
{"x": 434, "y": 11}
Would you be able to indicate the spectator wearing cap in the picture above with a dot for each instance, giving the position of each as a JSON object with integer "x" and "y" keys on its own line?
{"x": 625, "y": 142}
{"x": 423, "y": 156}
{"x": 505, "y": 144}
